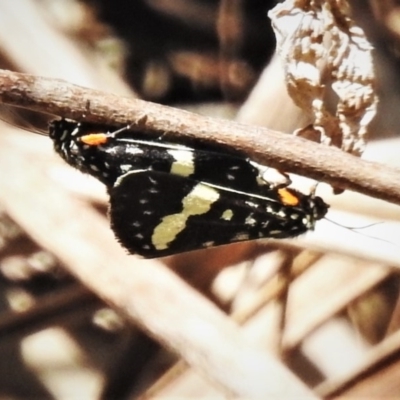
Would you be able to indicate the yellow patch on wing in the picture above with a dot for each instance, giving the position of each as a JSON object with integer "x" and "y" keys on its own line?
{"x": 197, "y": 202}
{"x": 227, "y": 215}
{"x": 183, "y": 164}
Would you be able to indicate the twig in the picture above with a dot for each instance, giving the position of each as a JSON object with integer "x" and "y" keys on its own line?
{"x": 280, "y": 151}
{"x": 381, "y": 364}
{"x": 55, "y": 308}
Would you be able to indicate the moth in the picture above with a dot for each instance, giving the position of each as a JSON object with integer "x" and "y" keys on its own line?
{"x": 168, "y": 198}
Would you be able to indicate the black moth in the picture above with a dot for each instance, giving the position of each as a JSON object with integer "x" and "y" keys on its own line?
{"x": 167, "y": 198}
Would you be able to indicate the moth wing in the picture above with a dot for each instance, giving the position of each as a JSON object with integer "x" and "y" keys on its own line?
{"x": 156, "y": 214}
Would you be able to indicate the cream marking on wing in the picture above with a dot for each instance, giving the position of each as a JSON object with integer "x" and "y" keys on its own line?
{"x": 122, "y": 177}
{"x": 250, "y": 220}
{"x": 251, "y": 204}
{"x": 183, "y": 164}
{"x": 133, "y": 150}
{"x": 65, "y": 134}
{"x": 240, "y": 237}
{"x": 125, "y": 167}
{"x": 75, "y": 131}
{"x": 197, "y": 202}
{"x": 227, "y": 215}
{"x": 275, "y": 232}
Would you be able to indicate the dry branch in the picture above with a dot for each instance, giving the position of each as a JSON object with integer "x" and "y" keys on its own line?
{"x": 280, "y": 151}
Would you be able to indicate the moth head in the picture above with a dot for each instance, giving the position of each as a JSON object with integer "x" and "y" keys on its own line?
{"x": 66, "y": 136}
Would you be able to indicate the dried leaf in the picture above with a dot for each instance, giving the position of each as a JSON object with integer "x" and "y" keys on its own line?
{"x": 326, "y": 54}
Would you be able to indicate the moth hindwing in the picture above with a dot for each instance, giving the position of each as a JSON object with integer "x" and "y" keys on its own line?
{"x": 168, "y": 198}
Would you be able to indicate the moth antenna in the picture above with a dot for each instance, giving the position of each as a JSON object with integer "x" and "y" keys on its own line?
{"x": 355, "y": 229}
{"x": 123, "y": 129}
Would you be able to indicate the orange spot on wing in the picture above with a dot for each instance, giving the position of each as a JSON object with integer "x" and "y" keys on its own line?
{"x": 94, "y": 139}
{"x": 288, "y": 197}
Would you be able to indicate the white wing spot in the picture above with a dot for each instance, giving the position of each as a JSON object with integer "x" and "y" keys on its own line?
{"x": 125, "y": 167}
{"x": 65, "y": 134}
{"x": 250, "y": 220}
{"x": 308, "y": 222}
{"x": 275, "y": 232}
{"x": 133, "y": 150}
{"x": 281, "y": 213}
{"x": 75, "y": 131}
{"x": 241, "y": 236}
{"x": 153, "y": 181}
